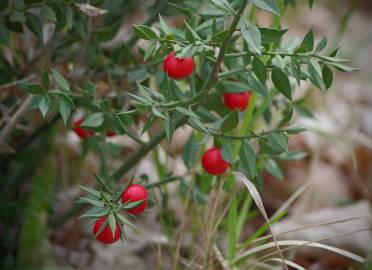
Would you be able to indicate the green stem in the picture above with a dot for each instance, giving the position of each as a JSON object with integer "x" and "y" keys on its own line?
{"x": 307, "y": 55}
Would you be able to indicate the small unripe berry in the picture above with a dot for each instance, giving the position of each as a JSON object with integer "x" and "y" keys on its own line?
{"x": 135, "y": 193}
{"x": 213, "y": 162}
{"x": 106, "y": 236}
{"x": 178, "y": 68}
{"x": 238, "y": 101}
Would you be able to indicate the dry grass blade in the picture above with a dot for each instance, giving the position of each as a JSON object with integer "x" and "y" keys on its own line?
{"x": 223, "y": 262}
{"x": 312, "y": 226}
{"x": 307, "y": 243}
{"x": 291, "y": 199}
{"x": 257, "y": 199}
{"x": 289, "y": 263}
{"x": 300, "y": 243}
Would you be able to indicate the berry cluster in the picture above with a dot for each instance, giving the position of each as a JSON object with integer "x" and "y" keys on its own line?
{"x": 212, "y": 161}
{"x": 181, "y": 68}
{"x": 133, "y": 193}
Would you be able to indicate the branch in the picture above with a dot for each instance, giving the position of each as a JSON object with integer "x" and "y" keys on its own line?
{"x": 135, "y": 158}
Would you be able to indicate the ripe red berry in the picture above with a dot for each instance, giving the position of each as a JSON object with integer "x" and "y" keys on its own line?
{"x": 106, "y": 235}
{"x": 238, "y": 101}
{"x": 81, "y": 132}
{"x": 213, "y": 162}
{"x": 178, "y": 68}
{"x": 135, "y": 193}
{"x": 111, "y": 133}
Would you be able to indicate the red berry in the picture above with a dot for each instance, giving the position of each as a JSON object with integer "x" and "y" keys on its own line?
{"x": 237, "y": 100}
{"x": 178, "y": 68}
{"x": 213, "y": 163}
{"x": 135, "y": 193}
{"x": 111, "y": 133}
{"x": 81, "y": 132}
{"x": 106, "y": 235}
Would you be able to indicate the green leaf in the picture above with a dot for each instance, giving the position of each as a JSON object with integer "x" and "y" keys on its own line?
{"x": 315, "y": 72}
{"x": 235, "y": 87}
{"x": 64, "y": 110}
{"x": 303, "y": 110}
{"x": 296, "y": 69}
{"x": 46, "y": 82}
{"x": 34, "y": 24}
{"x": 4, "y": 35}
{"x": 164, "y": 26}
{"x": 227, "y": 152}
{"x": 189, "y": 152}
{"x": 230, "y": 121}
{"x": 223, "y": 5}
{"x": 278, "y": 141}
{"x": 286, "y": 117}
{"x": 149, "y": 51}
{"x": 93, "y": 120}
{"x": 181, "y": 9}
{"x": 308, "y": 41}
{"x": 101, "y": 228}
{"x": 95, "y": 212}
{"x": 322, "y": 44}
{"x": 220, "y": 36}
{"x": 259, "y": 69}
{"x": 91, "y": 201}
{"x": 271, "y": 35}
{"x": 187, "y": 111}
{"x": 91, "y": 191}
{"x": 32, "y": 88}
{"x": 251, "y": 35}
{"x": 342, "y": 67}
{"x": 125, "y": 221}
{"x": 278, "y": 62}
{"x": 47, "y": 13}
{"x": 327, "y": 76}
{"x": 112, "y": 223}
{"x": 144, "y": 32}
{"x": 130, "y": 205}
{"x": 191, "y": 34}
{"x": 248, "y": 158}
{"x": 187, "y": 51}
{"x": 256, "y": 85}
{"x": 268, "y": 5}
{"x": 281, "y": 82}
{"x": 170, "y": 124}
{"x": 60, "y": 80}
{"x": 157, "y": 113}
{"x": 44, "y": 105}
{"x": 69, "y": 15}
{"x": 196, "y": 123}
{"x": 293, "y": 156}
{"x": 274, "y": 169}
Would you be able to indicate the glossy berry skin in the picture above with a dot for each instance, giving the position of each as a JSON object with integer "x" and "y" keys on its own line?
{"x": 81, "y": 132}
{"x": 178, "y": 68}
{"x": 213, "y": 163}
{"x": 106, "y": 236}
{"x": 135, "y": 193}
{"x": 237, "y": 101}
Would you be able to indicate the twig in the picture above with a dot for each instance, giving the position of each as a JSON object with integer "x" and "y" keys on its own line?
{"x": 11, "y": 84}
{"x": 14, "y": 119}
